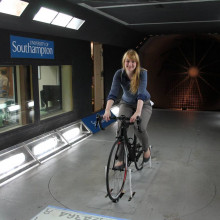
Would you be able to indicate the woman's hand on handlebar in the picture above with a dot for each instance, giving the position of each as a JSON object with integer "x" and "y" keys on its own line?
{"x": 107, "y": 115}
{"x": 134, "y": 117}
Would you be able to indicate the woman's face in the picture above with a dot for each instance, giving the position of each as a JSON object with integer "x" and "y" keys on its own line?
{"x": 130, "y": 65}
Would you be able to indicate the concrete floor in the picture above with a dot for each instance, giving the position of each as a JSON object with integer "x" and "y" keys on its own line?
{"x": 183, "y": 183}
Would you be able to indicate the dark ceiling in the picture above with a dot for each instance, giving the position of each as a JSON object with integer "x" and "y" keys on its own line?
{"x": 121, "y": 22}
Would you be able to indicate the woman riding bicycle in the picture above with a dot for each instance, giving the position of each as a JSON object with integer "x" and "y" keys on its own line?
{"x": 135, "y": 99}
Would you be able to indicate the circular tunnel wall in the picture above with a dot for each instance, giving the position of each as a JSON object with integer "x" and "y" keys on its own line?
{"x": 183, "y": 71}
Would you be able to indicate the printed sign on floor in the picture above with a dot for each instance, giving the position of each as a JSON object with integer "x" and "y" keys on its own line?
{"x": 56, "y": 213}
{"x": 90, "y": 122}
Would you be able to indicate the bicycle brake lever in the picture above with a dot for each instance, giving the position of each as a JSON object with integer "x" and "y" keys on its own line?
{"x": 138, "y": 119}
{"x": 113, "y": 117}
{"x": 100, "y": 125}
{"x": 99, "y": 122}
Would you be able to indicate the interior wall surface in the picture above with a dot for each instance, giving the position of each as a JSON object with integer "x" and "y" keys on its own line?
{"x": 112, "y": 62}
{"x": 67, "y": 52}
{"x": 183, "y": 71}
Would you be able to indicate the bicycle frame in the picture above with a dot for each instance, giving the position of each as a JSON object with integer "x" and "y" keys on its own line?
{"x": 123, "y": 137}
{"x": 122, "y": 134}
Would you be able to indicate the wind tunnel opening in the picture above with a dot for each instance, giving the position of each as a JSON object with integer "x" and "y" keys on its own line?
{"x": 183, "y": 71}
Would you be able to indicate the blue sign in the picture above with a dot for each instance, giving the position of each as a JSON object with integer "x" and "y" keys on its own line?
{"x": 22, "y": 47}
{"x": 90, "y": 122}
{"x": 57, "y": 213}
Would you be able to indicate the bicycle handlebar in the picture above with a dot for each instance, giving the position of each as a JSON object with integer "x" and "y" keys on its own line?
{"x": 122, "y": 118}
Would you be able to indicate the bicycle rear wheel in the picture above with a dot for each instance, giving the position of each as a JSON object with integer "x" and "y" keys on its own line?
{"x": 139, "y": 157}
{"x": 115, "y": 178}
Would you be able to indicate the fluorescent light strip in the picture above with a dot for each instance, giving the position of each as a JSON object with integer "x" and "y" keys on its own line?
{"x": 53, "y": 17}
{"x": 17, "y": 175}
{"x": 16, "y": 165}
{"x": 71, "y": 134}
{"x": 61, "y": 20}
{"x": 13, "y": 7}
{"x": 11, "y": 163}
{"x": 75, "y": 23}
{"x": 45, "y": 147}
{"x": 45, "y": 15}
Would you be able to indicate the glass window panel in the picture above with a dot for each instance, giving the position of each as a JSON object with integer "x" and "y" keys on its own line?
{"x": 55, "y": 90}
{"x": 15, "y": 97}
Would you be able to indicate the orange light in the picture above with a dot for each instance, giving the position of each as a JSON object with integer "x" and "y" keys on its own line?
{"x": 193, "y": 71}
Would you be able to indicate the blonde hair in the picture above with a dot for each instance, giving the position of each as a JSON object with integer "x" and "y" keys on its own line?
{"x": 132, "y": 55}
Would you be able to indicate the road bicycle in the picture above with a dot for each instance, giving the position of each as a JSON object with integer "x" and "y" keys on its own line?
{"x": 131, "y": 151}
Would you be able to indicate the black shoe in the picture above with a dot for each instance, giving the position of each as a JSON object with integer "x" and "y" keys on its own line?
{"x": 146, "y": 159}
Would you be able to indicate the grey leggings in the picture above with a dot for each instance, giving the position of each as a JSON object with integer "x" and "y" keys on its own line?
{"x": 128, "y": 111}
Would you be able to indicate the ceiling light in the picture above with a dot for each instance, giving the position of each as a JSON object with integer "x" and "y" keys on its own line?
{"x": 53, "y": 17}
{"x": 75, "y": 23}
{"x": 45, "y": 15}
{"x": 13, "y": 7}
{"x": 62, "y": 19}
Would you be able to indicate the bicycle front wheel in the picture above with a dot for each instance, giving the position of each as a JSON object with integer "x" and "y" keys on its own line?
{"x": 115, "y": 178}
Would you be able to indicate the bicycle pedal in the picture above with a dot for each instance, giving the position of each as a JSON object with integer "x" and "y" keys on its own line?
{"x": 131, "y": 197}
